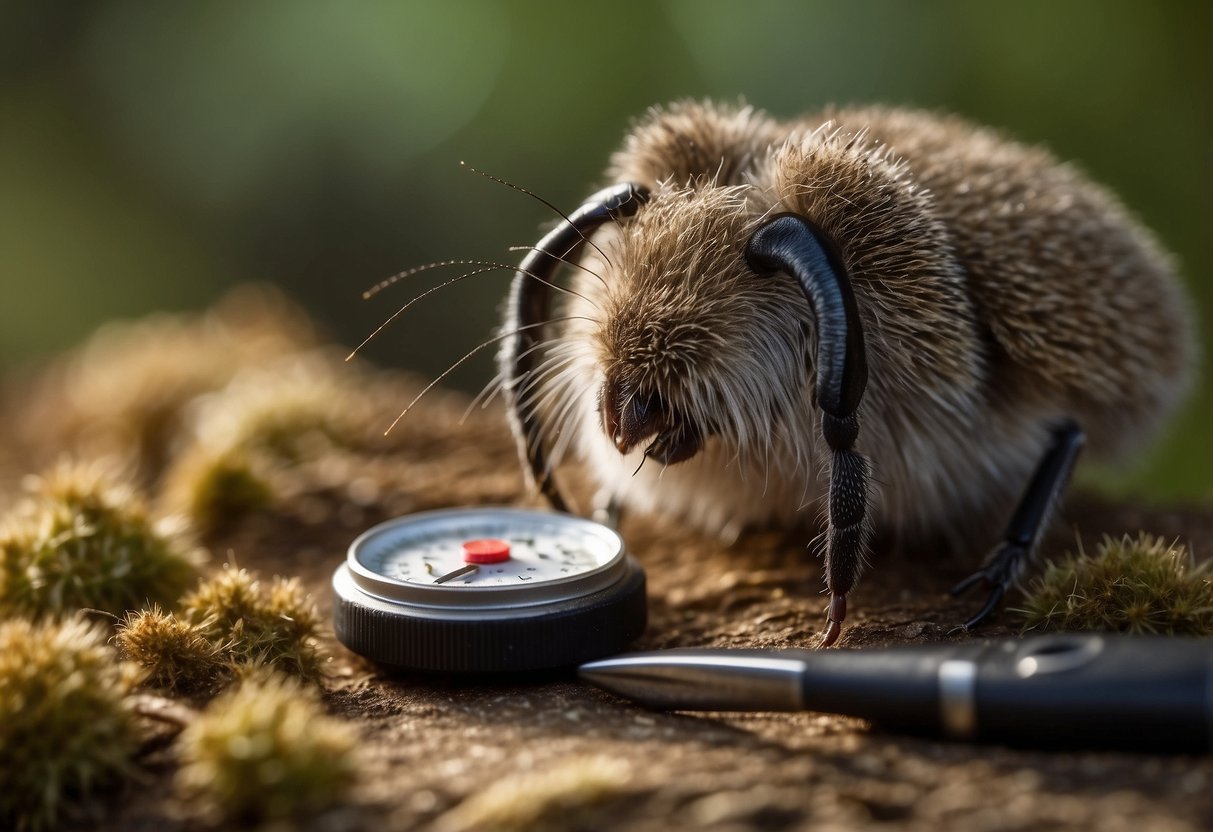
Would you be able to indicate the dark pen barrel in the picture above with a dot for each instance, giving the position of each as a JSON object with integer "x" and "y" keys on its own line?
{"x": 1090, "y": 691}
{"x": 1066, "y": 690}
{"x": 893, "y": 687}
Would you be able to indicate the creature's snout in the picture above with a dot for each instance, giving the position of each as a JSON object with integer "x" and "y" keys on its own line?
{"x": 631, "y": 415}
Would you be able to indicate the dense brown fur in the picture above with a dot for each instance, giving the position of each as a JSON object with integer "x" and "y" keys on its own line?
{"x": 999, "y": 292}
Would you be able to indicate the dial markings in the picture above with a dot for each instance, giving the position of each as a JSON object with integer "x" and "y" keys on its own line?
{"x": 534, "y": 553}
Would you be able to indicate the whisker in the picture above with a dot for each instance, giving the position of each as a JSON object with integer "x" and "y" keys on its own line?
{"x": 572, "y": 263}
{"x": 402, "y": 309}
{"x": 536, "y": 196}
{"x": 488, "y": 392}
{"x": 484, "y": 345}
{"x": 494, "y": 386}
{"x": 561, "y": 350}
{"x": 488, "y": 267}
{"x": 564, "y": 416}
{"x": 539, "y": 398}
{"x": 396, "y": 278}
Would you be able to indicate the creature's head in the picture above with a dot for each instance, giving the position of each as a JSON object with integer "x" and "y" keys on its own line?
{"x": 693, "y": 334}
{"x": 691, "y": 343}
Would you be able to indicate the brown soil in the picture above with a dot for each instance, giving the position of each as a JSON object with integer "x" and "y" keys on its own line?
{"x": 434, "y": 744}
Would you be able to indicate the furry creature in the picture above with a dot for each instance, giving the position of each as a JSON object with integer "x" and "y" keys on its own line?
{"x": 888, "y": 315}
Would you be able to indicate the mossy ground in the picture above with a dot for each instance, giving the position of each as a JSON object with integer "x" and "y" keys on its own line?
{"x": 66, "y": 731}
{"x": 175, "y": 654}
{"x": 431, "y": 748}
{"x": 266, "y": 751}
{"x": 1130, "y": 584}
{"x": 255, "y": 624}
{"x": 84, "y": 538}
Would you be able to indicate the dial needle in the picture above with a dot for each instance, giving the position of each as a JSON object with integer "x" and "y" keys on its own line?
{"x": 463, "y": 570}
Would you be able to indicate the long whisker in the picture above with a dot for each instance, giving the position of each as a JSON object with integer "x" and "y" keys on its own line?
{"x": 487, "y": 393}
{"x": 545, "y": 393}
{"x": 402, "y": 309}
{"x": 488, "y": 267}
{"x": 535, "y": 375}
{"x": 484, "y": 345}
{"x": 536, "y": 196}
{"x": 490, "y": 390}
{"x": 565, "y": 412}
{"x": 565, "y": 436}
{"x": 396, "y": 278}
{"x": 573, "y": 263}
{"x": 553, "y": 368}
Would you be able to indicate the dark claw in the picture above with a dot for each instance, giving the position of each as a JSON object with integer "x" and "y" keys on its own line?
{"x": 834, "y": 617}
{"x": 830, "y": 635}
{"x": 996, "y": 574}
{"x": 969, "y": 582}
{"x": 1003, "y": 567}
{"x": 996, "y": 596}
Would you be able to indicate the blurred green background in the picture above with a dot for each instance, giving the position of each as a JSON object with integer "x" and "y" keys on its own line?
{"x": 153, "y": 154}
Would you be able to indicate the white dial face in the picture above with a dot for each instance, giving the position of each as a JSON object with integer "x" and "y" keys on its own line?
{"x": 464, "y": 556}
{"x": 529, "y": 554}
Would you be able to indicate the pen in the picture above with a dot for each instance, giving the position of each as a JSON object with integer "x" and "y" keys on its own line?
{"x": 1069, "y": 690}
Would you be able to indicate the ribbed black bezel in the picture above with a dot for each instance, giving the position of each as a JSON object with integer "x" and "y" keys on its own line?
{"x": 561, "y": 634}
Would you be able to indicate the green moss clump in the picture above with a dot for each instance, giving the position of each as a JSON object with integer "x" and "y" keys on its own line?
{"x": 217, "y": 490}
{"x": 265, "y": 751}
{"x": 85, "y": 539}
{"x": 65, "y": 731}
{"x": 176, "y": 654}
{"x": 276, "y": 627}
{"x": 294, "y": 410}
{"x": 255, "y": 438}
{"x": 1130, "y": 585}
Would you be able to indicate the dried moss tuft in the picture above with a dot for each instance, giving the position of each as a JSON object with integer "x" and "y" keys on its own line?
{"x": 176, "y": 654}
{"x": 275, "y": 626}
{"x": 1136, "y": 584}
{"x": 65, "y": 732}
{"x": 266, "y": 751}
{"x": 85, "y": 539}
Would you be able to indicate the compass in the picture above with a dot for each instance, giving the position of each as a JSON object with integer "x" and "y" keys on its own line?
{"x": 482, "y": 590}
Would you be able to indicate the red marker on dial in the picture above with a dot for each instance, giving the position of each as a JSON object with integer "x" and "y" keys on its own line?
{"x": 487, "y": 550}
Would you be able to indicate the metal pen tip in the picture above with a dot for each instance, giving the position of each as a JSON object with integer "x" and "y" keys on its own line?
{"x": 701, "y": 680}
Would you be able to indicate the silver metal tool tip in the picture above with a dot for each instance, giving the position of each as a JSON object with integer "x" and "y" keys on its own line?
{"x": 701, "y": 680}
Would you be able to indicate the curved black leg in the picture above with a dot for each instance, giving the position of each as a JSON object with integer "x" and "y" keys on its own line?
{"x": 792, "y": 244}
{"x": 1004, "y": 566}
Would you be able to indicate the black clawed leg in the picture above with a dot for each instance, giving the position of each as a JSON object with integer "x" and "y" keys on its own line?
{"x": 996, "y": 596}
{"x": 1007, "y": 562}
{"x": 846, "y": 539}
{"x": 794, "y": 245}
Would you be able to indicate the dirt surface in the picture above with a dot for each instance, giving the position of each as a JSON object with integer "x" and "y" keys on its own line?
{"x": 549, "y": 752}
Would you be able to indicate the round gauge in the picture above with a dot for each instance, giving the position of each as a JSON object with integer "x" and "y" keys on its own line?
{"x": 488, "y": 589}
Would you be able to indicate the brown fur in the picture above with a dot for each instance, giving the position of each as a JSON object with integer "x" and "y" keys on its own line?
{"x": 999, "y": 291}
